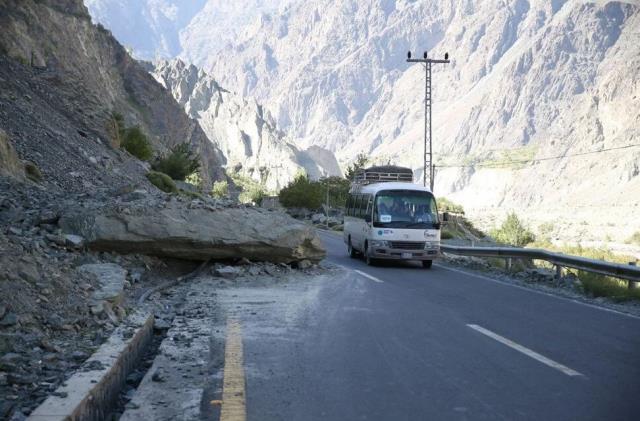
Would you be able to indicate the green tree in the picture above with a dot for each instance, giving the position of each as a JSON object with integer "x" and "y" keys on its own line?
{"x": 179, "y": 163}
{"x": 136, "y": 143}
{"x": 513, "y": 232}
{"x": 359, "y": 163}
{"x": 338, "y": 190}
{"x": 302, "y": 193}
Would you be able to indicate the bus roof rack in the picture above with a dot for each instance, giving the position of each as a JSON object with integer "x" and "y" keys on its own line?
{"x": 383, "y": 174}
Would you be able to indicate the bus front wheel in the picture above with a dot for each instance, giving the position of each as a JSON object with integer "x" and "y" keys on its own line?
{"x": 427, "y": 264}
{"x": 367, "y": 258}
{"x": 352, "y": 252}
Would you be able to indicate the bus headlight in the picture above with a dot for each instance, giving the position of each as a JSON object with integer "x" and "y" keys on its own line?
{"x": 379, "y": 243}
{"x": 430, "y": 245}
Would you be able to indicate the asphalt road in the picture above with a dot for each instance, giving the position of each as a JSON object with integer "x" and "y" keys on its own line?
{"x": 399, "y": 342}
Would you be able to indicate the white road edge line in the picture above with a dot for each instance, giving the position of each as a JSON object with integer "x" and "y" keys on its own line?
{"x": 526, "y": 351}
{"x": 366, "y": 275}
{"x": 548, "y": 294}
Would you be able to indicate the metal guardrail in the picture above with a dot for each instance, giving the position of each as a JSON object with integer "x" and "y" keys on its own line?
{"x": 629, "y": 272}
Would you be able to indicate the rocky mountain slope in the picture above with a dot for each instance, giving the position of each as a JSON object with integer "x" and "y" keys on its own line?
{"x": 56, "y": 64}
{"x": 64, "y": 286}
{"x": 528, "y": 80}
{"x": 241, "y": 128}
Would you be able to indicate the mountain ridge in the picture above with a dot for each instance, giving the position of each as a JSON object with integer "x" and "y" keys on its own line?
{"x": 244, "y": 131}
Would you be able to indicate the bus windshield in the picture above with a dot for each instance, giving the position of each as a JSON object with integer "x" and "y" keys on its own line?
{"x": 405, "y": 209}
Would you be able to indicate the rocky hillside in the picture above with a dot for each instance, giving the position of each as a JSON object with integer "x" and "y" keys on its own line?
{"x": 74, "y": 75}
{"x": 83, "y": 233}
{"x": 529, "y": 80}
{"x": 241, "y": 128}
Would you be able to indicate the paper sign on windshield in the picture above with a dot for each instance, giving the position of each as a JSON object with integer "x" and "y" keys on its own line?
{"x": 385, "y": 218}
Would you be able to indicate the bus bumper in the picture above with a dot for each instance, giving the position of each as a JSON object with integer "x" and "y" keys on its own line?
{"x": 399, "y": 254}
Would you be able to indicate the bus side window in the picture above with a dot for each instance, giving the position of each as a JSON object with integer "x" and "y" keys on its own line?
{"x": 354, "y": 211}
{"x": 348, "y": 206}
{"x": 358, "y": 206}
{"x": 363, "y": 206}
{"x": 369, "y": 202}
{"x": 352, "y": 205}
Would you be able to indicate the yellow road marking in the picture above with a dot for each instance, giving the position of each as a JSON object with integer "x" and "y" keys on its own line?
{"x": 233, "y": 388}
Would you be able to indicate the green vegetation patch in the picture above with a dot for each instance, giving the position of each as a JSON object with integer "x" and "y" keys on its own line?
{"x": 461, "y": 228}
{"x": 220, "y": 189}
{"x": 447, "y": 234}
{"x": 513, "y": 232}
{"x": 162, "y": 181}
{"x": 594, "y": 284}
{"x": 302, "y": 193}
{"x": 337, "y": 190}
{"x": 253, "y": 195}
{"x": 605, "y": 286}
{"x": 446, "y": 205}
{"x": 250, "y": 190}
{"x": 179, "y": 163}
{"x": 136, "y": 143}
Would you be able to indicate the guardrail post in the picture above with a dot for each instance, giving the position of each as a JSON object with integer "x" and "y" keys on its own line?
{"x": 508, "y": 264}
{"x": 558, "y": 276}
{"x": 632, "y": 284}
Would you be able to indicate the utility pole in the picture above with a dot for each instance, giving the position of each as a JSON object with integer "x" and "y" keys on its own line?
{"x": 327, "y": 203}
{"x": 428, "y": 147}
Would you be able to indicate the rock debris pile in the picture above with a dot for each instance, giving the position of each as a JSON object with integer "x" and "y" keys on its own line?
{"x": 72, "y": 264}
{"x": 55, "y": 307}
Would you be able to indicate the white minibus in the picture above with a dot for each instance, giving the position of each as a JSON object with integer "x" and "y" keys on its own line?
{"x": 389, "y": 217}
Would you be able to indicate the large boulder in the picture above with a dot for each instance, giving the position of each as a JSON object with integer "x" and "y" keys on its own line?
{"x": 175, "y": 230}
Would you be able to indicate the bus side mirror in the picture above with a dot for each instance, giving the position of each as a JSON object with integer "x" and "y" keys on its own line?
{"x": 445, "y": 217}
{"x": 367, "y": 218}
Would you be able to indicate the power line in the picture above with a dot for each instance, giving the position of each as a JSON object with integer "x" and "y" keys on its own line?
{"x": 527, "y": 161}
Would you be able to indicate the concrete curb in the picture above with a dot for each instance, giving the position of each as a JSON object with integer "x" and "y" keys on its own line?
{"x": 90, "y": 393}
